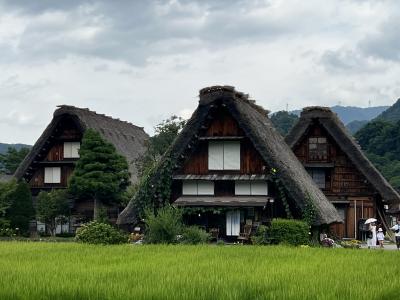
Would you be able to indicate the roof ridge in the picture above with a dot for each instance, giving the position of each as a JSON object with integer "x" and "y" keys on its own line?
{"x": 211, "y": 93}
{"x": 62, "y": 107}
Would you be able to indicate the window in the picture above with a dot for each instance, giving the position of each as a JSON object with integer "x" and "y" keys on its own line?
{"x": 317, "y": 149}
{"x": 251, "y": 188}
{"x": 197, "y": 187}
{"x": 318, "y": 175}
{"x": 52, "y": 175}
{"x": 71, "y": 149}
{"x": 233, "y": 222}
{"x": 224, "y": 155}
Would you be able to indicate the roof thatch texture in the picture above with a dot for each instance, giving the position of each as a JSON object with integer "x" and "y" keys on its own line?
{"x": 128, "y": 139}
{"x": 253, "y": 120}
{"x": 332, "y": 124}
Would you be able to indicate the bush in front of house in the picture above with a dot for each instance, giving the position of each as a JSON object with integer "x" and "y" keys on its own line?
{"x": 260, "y": 237}
{"x": 194, "y": 235}
{"x": 164, "y": 226}
{"x": 100, "y": 233}
{"x": 288, "y": 231}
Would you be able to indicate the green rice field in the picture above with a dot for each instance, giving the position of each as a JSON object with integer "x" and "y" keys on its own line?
{"x": 73, "y": 271}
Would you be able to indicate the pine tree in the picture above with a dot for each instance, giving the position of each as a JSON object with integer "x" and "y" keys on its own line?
{"x": 100, "y": 174}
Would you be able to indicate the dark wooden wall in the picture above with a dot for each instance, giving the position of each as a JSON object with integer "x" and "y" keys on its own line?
{"x": 224, "y": 126}
{"x": 66, "y": 131}
{"x": 344, "y": 178}
{"x": 37, "y": 180}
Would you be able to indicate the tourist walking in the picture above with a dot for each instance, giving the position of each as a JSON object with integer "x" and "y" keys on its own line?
{"x": 371, "y": 240}
{"x": 381, "y": 237}
{"x": 396, "y": 229}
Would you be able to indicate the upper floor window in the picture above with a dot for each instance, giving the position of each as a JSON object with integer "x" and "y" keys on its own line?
{"x": 52, "y": 175}
{"x": 251, "y": 188}
{"x": 197, "y": 187}
{"x": 318, "y": 175}
{"x": 71, "y": 149}
{"x": 317, "y": 149}
{"x": 224, "y": 155}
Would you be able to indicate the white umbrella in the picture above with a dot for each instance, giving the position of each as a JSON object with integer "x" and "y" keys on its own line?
{"x": 370, "y": 220}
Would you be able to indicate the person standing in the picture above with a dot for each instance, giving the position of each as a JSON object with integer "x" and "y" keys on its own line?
{"x": 396, "y": 229}
{"x": 371, "y": 241}
{"x": 381, "y": 237}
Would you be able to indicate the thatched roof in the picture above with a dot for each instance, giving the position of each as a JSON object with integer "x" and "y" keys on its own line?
{"x": 332, "y": 124}
{"x": 128, "y": 139}
{"x": 253, "y": 120}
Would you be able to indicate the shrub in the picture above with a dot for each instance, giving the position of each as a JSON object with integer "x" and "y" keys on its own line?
{"x": 288, "y": 231}
{"x": 164, "y": 227}
{"x": 5, "y": 230}
{"x": 100, "y": 233}
{"x": 194, "y": 235}
{"x": 261, "y": 236}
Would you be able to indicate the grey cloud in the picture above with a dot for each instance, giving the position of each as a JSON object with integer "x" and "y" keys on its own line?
{"x": 385, "y": 43}
{"x": 133, "y": 31}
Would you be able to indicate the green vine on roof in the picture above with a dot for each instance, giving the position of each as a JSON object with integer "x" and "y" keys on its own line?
{"x": 281, "y": 192}
{"x": 154, "y": 190}
{"x": 310, "y": 211}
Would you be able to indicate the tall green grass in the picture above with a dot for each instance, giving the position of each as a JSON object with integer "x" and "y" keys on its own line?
{"x": 75, "y": 271}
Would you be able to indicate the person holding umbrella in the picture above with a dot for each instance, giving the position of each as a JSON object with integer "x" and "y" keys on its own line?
{"x": 396, "y": 229}
{"x": 371, "y": 234}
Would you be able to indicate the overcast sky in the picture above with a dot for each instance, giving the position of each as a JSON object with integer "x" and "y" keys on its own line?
{"x": 142, "y": 61}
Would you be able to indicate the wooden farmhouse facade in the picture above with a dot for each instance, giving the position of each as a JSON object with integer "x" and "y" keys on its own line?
{"x": 231, "y": 167}
{"x": 341, "y": 170}
{"x": 51, "y": 160}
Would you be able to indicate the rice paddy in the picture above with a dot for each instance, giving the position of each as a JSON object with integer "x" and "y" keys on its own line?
{"x": 74, "y": 271}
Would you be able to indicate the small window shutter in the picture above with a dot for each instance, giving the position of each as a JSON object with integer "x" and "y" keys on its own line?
{"x": 231, "y": 155}
{"x": 259, "y": 188}
{"x": 75, "y": 146}
{"x": 205, "y": 187}
{"x": 215, "y": 156}
{"x": 48, "y": 175}
{"x": 242, "y": 188}
{"x": 189, "y": 187}
{"x": 67, "y": 150}
{"x": 56, "y": 175}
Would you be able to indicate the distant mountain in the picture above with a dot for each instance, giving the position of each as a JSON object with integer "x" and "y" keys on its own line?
{"x": 356, "y": 125}
{"x": 392, "y": 114}
{"x": 4, "y": 147}
{"x": 352, "y": 113}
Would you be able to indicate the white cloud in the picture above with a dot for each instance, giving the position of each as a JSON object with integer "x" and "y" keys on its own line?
{"x": 143, "y": 61}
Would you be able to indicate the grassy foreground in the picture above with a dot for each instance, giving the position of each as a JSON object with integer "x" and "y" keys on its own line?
{"x": 74, "y": 271}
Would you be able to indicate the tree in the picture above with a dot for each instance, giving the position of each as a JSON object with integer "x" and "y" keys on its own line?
{"x": 6, "y": 189}
{"x": 380, "y": 141}
{"x": 165, "y": 134}
{"x": 100, "y": 174}
{"x": 52, "y": 206}
{"x": 21, "y": 210}
{"x": 283, "y": 121}
{"x": 10, "y": 161}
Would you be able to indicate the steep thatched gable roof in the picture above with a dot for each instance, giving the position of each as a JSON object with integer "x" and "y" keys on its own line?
{"x": 330, "y": 121}
{"x": 254, "y": 121}
{"x": 128, "y": 139}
